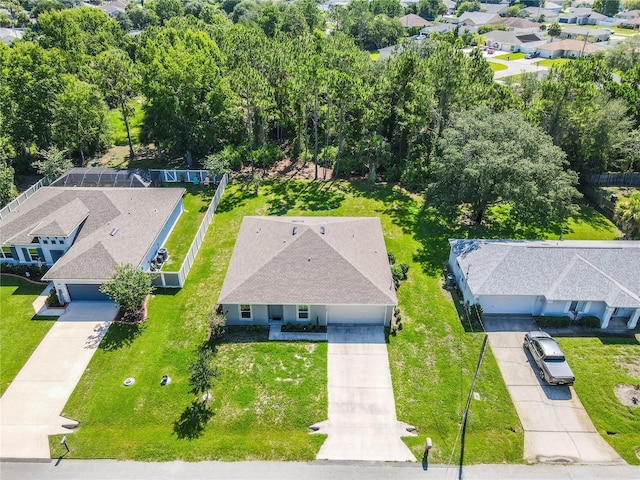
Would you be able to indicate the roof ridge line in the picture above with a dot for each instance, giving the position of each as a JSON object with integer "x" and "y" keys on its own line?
{"x": 495, "y": 267}
{"x": 614, "y": 281}
{"x": 354, "y": 267}
{"x": 562, "y": 276}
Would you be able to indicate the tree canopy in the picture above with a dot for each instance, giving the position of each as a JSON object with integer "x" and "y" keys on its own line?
{"x": 486, "y": 158}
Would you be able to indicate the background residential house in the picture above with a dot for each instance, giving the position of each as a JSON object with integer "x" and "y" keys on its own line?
{"x": 568, "y": 49}
{"x": 511, "y": 42}
{"x": 82, "y": 232}
{"x": 414, "y": 21}
{"x": 519, "y": 25}
{"x": 596, "y": 278}
{"x": 327, "y": 270}
{"x": 599, "y": 34}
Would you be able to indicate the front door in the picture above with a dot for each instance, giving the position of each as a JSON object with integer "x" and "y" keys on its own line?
{"x": 275, "y": 313}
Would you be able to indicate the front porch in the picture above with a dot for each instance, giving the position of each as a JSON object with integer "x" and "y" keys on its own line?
{"x": 276, "y": 333}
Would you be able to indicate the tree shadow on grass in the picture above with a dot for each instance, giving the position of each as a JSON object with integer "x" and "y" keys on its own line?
{"x": 120, "y": 335}
{"x": 308, "y": 196}
{"x": 235, "y": 198}
{"x": 193, "y": 421}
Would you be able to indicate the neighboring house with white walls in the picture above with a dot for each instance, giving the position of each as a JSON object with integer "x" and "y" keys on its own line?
{"x": 598, "y": 278}
{"x": 82, "y": 232}
{"x": 319, "y": 270}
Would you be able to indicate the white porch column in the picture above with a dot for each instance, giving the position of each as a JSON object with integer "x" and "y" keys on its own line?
{"x": 607, "y": 316}
{"x": 634, "y": 319}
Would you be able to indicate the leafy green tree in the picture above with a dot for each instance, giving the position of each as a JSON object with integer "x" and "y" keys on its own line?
{"x": 128, "y": 287}
{"x": 624, "y": 55}
{"x": 554, "y": 30}
{"x": 202, "y": 374}
{"x": 119, "y": 80}
{"x": 141, "y": 17}
{"x": 8, "y": 190}
{"x": 467, "y": 6}
{"x": 512, "y": 11}
{"x": 486, "y": 158}
{"x": 29, "y": 81}
{"x": 270, "y": 20}
{"x": 217, "y": 164}
{"x": 53, "y": 164}
{"x": 606, "y": 7}
{"x": 431, "y": 9}
{"x": 79, "y": 121}
{"x": 632, "y": 4}
{"x": 630, "y": 217}
{"x": 188, "y": 100}
{"x": 166, "y": 9}
{"x": 391, "y": 8}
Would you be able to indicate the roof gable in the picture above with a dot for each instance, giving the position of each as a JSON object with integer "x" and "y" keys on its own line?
{"x": 568, "y": 270}
{"x": 347, "y": 264}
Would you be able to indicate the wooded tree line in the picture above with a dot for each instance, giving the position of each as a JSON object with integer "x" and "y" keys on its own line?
{"x": 275, "y": 84}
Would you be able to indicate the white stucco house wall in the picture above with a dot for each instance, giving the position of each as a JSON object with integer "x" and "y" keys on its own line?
{"x": 324, "y": 270}
{"x": 598, "y": 278}
{"x": 82, "y": 232}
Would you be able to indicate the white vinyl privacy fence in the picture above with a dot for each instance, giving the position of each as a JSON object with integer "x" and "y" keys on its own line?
{"x": 15, "y": 203}
{"x": 177, "y": 279}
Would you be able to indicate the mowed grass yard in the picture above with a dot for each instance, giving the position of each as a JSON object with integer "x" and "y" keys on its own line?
{"x": 195, "y": 202}
{"x": 601, "y": 363}
{"x": 20, "y": 330}
{"x": 268, "y": 393}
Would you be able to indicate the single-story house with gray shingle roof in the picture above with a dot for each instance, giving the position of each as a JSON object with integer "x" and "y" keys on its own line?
{"x": 598, "y": 278}
{"x": 568, "y": 49}
{"x": 599, "y": 34}
{"x": 511, "y": 42}
{"x": 83, "y": 232}
{"x": 414, "y": 21}
{"x": 477, "y": 19}
{"x": 324, "y": 270}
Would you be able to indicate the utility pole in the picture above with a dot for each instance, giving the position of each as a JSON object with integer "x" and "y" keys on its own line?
{"x": 584, "y": 44}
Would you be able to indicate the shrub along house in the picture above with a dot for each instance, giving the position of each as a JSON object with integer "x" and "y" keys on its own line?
{"x": 573, "y": 278}
{"x": 82, "y": 232}
{"x": 324, "y": 270}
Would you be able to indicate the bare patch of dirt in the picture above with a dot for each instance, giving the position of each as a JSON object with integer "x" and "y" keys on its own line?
{"x": 288, "y": 168}
{"x": 629, "y": 395}
{"x": 631, "y": 367}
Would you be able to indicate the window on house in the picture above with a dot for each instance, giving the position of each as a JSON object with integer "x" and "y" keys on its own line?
{"x": 574, "y": 306}
{"x": 53, "y": 241}
{"x": 6, "y": 252}
{"x": 245, "y": 312}
{"x": 33, "y": 253}
{"x": 303, "y": 312}
{"x": 45, "y": 241}
{"x": 61, "y": 242}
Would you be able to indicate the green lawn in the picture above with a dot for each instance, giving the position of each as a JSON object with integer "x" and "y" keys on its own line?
{"x": 118, "y": 128}
{"x": 496, "y": 67}
{"x": 510, "y": 56}
{"x": 589, "y": 224}
{"x": 599, "y": 365}
{"x": 195, "y": 201}
{"x": 548, "y": 62}
{"x": 269, "y": 393}
{"x": 20, "y": 330}
{"x": 374, "y": 55}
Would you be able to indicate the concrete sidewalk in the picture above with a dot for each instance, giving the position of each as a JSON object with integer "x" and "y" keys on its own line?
{"x": 362, "y": 422}
{"x": 30, "y": 408}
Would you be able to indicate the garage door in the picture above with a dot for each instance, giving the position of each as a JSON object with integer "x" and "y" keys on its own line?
{"x": 361, "y": 314}
{"x": 86, "y": 293}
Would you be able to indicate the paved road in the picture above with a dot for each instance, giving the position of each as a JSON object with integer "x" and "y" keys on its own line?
{"x": 515, "y": 67}
{"x": 30, "y": 408}
{"x": 362, "y": 422}
{"x": 111, "y": 469}
{"x": 556, "y": 425}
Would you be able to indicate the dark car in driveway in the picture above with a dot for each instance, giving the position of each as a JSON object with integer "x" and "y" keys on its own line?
{"x": 552, "y": 366}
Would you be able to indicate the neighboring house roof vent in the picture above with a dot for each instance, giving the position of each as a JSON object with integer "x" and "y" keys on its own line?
{"x": 322, "y": 230}
{"x": 295, "y": 230}
{"x": 113, "y": 232}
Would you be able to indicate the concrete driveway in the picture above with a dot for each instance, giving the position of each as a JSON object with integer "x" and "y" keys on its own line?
{"x": 362, "y": 422}
{"x": 30, "y": 408}
{"x": 556, "y": 425}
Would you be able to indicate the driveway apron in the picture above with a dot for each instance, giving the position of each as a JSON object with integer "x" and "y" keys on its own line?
{"x": 556, "y": 425}
{"x": 362, "y": 422}
{"x": 30, "y": 408}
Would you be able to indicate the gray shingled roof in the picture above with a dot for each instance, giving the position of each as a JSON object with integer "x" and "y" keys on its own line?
{"x": 346, "y": 265}
{"x": 138, "y": 213}
{"x": 560, "y": 270}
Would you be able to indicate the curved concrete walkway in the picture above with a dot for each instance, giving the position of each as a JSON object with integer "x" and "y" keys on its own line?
{"x": 30, "y": 408}
{"x": 556, "y": 425}
{"x": 362, "y": 422}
